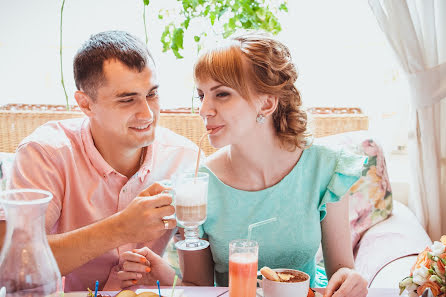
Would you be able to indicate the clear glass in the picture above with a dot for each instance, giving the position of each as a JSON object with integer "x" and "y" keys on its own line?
{"x": 191, "y": 195}
{"x": 27, "y": 265}
{"x": 243, "y": 258}
{"x": 167, "y": 183}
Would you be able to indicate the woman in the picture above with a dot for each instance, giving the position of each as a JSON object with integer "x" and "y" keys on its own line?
{"x": 265, "y": 168}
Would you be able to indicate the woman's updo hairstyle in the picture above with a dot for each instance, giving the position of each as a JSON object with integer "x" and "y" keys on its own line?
{"x": 255, "y": 63}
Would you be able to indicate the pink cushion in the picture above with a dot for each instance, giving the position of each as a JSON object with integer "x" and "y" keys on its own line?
{"x": 371, "y": 196}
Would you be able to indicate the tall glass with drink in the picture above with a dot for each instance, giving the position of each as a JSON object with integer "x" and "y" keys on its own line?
{"x": 243, "y": 257}
{"x": 191, "y": 194}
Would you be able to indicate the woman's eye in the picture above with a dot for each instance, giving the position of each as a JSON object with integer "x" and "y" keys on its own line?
{"x": 200, "y": 97}
{"x": 222, "y": 94}
{"x": 126, "y": 100}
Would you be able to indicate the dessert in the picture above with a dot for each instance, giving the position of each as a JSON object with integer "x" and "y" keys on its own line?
{"x": 286, "y": 276}
{"x": 292, "y": 276}
{"x": 269, "y": 274}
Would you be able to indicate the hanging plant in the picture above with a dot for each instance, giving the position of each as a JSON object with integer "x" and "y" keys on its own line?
{"x": 223, "y": 16}
{"x": 60, "y": 55}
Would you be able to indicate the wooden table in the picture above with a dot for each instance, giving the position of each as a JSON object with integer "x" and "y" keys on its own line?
{"x": 223, "y": 291}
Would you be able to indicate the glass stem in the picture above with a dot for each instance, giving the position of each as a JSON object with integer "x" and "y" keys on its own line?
{"x": 191, "y": 236}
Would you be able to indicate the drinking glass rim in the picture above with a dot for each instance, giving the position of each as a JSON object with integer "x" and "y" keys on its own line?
{"x": 25, "y": 202}
{"x": 191, "y": 175}
{"x": 252, "y": 243}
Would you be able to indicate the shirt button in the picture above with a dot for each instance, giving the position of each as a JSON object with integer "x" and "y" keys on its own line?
{"x": 124, "y": 190}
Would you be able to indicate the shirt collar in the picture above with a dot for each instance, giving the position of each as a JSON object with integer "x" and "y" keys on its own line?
{"x": 98, "y": 161}
{"x": 146, "y": 166}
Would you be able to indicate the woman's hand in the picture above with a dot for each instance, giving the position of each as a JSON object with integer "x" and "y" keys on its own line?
{"x": 144, "y": 267}
{"x": 346, "y": 282}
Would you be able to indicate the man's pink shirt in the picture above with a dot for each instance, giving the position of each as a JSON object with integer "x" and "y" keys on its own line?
{"x": 61, "y": 157}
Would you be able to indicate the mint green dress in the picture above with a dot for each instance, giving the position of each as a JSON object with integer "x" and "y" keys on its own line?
{"x": 298, "y": 202}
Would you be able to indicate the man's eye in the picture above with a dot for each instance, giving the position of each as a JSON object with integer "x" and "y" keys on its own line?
{"x": 152, "y": 94}
{"x": 126, "y": 100}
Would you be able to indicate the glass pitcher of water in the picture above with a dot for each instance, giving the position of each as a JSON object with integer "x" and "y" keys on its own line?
{"x": 27, "y": 265}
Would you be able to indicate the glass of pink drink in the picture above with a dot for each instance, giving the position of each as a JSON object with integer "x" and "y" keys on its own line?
{"x": 243, "y": 256}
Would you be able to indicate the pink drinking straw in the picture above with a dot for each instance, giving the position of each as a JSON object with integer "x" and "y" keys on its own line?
{"x": 63, "y": 285}
{"x": 199, "y": 151}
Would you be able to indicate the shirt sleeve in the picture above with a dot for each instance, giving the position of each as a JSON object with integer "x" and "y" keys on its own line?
{"x": 347, "y": 171}
{"x": 35, "y": 168}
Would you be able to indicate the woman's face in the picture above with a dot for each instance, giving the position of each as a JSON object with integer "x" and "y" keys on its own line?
{"x": 230, "y": 118}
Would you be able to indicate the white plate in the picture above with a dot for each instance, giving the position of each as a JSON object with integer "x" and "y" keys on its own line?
{"x": 164, "y": 292}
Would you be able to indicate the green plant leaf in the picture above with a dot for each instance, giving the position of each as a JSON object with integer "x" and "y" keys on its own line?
{"x": 212, "y": 17}
{"x": 186, "y": 22}
{"x": 166, "y": 37}
{"x": 177, "y": 54}
{"x": 197, "y": 38}
{"x": 222, "y": 12}
{"x": 283, "y": 7}
{"x": 177, "y": 38}
{"x": 146, "y": 2}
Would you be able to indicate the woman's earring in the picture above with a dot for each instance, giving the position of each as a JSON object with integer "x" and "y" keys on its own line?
{"x": 260, "y": 118}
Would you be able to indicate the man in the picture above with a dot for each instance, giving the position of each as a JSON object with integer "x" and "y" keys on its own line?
{"x": 96, "y": 166}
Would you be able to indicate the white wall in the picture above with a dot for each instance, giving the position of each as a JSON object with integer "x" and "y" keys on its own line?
{"x": 342, "y": 56}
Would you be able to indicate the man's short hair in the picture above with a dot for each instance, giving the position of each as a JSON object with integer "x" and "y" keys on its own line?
{"x": 89, "y": 59}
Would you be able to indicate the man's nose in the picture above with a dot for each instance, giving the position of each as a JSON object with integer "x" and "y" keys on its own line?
{"x": 144, "y": 111}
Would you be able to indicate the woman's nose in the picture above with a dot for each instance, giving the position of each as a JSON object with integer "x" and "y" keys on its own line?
{"x": 206, "y": 108}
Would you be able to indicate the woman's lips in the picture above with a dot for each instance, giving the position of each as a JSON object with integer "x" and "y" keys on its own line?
{"x": 214, "y": 129}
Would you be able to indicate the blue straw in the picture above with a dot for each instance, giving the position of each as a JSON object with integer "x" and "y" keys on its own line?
{"x": 96, "y": 289}
{"x": 159, "y": 290}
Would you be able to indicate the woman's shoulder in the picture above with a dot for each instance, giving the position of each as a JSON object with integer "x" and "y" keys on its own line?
{"x": 217, "y": 162}
{"x": 344, "y": 161}
{"x": 320, "y": 152}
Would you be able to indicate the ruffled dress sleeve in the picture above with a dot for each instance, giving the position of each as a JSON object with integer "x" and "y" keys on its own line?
{"x": 347, "y": 171}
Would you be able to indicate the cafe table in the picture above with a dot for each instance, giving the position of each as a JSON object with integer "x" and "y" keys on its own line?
{"x": 223, "y": 291}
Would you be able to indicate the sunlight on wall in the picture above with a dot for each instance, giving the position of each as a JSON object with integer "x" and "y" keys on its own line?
{"x": 342, "y": 56}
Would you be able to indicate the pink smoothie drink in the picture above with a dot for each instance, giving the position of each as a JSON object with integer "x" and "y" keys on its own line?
{"x": 242, "y": 275}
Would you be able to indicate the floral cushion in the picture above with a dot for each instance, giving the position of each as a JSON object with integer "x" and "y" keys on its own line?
{"x": 371, "y": 196}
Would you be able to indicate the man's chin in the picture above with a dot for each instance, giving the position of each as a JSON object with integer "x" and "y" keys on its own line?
{"x": 148, "y": 140}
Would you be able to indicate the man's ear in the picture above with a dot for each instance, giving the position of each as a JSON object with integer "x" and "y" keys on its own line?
{"x": 268, "y": 105}
{"x": 84, "y": 101}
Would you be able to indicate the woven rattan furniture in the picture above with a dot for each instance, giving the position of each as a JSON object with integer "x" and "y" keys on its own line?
{"x": 19, "y": 120}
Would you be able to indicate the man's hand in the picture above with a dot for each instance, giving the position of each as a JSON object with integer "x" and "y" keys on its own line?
{"x": 144, "y": 267}
{"x": 142, "y": 220}
{"x": 346, "y": 282}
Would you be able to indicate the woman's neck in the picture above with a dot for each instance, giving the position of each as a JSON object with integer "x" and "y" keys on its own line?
{"x": 261, "y": 164}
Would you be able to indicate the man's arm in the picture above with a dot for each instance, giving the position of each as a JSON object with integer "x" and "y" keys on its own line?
{"x": 75, "y": 248}
{"x": 140, "y": 221}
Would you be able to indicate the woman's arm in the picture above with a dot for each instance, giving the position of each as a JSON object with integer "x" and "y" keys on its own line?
{"x": 338, "y": 254}
{"x": 197, "y": 267}
{"x": 336, "y": 238}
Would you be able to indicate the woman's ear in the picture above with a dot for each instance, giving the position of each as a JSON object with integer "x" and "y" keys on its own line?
{"x": 268, "y": 105}
{"x": 84, "y": 101}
